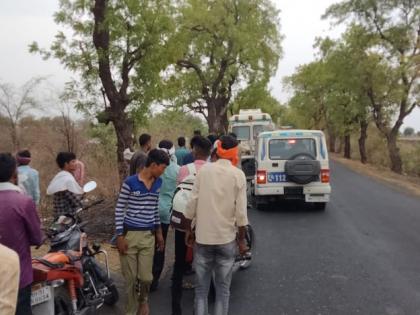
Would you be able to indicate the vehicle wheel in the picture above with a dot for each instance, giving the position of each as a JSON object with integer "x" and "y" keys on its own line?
{"x": 62, "y": 301}
{"x": 250, "y": 240}
{"x": 113, "y": 295}
{"x": 320, "y": 206}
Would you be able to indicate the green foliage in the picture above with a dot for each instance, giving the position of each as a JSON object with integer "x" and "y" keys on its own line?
{"x": 394, "y": 86}
{"x": 139, "y": 34}
{"x": 228, "y": 45}
{"x": 105, "y": 136}
{"x": 409, "y": 131}
{"x": 171, "y": 124}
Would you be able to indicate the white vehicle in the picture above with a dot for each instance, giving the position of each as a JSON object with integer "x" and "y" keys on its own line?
{"x": 247, "y": 125}
{"x": 291, "y": 164}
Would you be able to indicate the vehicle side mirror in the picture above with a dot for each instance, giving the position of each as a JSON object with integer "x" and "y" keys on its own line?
{"x": 89, "y": 186}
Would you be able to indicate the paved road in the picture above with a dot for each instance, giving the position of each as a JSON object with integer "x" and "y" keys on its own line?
{"x": 361, "y": 256}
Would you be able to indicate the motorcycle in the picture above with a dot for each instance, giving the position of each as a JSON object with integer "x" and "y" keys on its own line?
{"x": 68, "y": 279}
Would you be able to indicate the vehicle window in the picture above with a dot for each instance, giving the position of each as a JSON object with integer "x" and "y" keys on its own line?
{"x": 257, "y": 129}
{"x": 242, "y": 132}
{"x": 284, "y": 149}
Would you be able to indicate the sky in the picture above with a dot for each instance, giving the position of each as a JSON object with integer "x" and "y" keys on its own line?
{"x": 25, "y": 21}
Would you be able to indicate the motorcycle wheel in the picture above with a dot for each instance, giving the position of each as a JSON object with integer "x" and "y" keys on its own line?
{"x": 62, "y": 302}
{"x": 250, "y": 239}
{"x": 113, "y": 295}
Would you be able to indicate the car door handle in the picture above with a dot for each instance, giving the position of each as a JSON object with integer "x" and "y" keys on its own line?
{"x": 275, "y": 164}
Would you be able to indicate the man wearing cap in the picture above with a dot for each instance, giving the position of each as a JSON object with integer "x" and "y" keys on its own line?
{"x": 219, "y": 206}
{"x": 28, "y": 177}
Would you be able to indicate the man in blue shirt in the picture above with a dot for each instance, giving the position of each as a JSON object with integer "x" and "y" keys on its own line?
{"x": 28, "y": 177}
{"x": 181, "y": 152}
{"x": 138, "y": 228}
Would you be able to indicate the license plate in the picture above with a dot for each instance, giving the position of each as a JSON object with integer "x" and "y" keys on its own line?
{"x": 40, "y": 294}
{"x": 277, "y": 177}
{"x": 317, "y": 198}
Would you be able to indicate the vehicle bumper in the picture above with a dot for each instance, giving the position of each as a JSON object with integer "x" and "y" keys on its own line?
{"x": 309, "y": 193}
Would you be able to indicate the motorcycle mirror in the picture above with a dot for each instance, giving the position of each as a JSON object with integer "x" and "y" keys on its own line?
{"x": 89, "y": 186}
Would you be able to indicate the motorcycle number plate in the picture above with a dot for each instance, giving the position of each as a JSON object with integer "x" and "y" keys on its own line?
{"x": 40, "y": 293}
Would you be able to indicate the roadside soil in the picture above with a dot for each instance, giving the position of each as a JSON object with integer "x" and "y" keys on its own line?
{"x": 404, "y": 183}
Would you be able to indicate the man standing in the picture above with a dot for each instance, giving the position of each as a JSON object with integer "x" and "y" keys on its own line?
{"x": 138, "y": 228}
{"x": 189, "y": 158}
{"x": 181, "y": 152}
{"x": 9, "y": 280}
{"x": 64, "y": 187}
{"x": 19, "y": 227}
{"x": 218, "y": 203}
{"x": 201, "y": 153}
{"x": 28, "y": 177}
{"x": 138, "y": 160}
{"x": 165, "y": 206}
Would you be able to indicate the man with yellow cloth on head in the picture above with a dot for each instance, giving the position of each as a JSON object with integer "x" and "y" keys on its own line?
{"x": 219, "y": 206}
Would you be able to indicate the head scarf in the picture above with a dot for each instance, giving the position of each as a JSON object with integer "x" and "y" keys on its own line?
{"x": 228, "y": 154}
{"x": 23, "y": 160}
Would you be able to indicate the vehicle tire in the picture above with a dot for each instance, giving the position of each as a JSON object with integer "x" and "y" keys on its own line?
{"x": 250, "y": 240}
{"x": 62, "y": 301}
{"x": 113, "y": 295}
{"x": 320, "y": 206}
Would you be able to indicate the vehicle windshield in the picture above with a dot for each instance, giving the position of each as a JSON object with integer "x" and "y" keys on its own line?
{"x": 257, "y": 129}
{"x": 241, "y": 132}
{"x": 284, "y": 149}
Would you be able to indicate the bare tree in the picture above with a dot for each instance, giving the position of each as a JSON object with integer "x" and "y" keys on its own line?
{"x": 16, "y": 103}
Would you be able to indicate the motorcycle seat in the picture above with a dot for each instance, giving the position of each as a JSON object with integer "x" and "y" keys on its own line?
{"x": 49, "y": 264}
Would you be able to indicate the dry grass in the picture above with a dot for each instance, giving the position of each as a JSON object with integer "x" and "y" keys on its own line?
{"x": 405, "y": 182}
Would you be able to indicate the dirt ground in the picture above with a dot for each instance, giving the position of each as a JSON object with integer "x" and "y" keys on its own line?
{"x": 403, "y": 182}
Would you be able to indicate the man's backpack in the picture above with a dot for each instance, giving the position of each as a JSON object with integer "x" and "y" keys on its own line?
{"x": 181, "y": 197}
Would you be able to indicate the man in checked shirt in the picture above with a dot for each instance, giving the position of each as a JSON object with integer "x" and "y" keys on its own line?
{"x": 66, "y": 192}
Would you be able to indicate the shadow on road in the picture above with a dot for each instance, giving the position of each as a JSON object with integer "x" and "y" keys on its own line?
{"x": 293, "y": 207}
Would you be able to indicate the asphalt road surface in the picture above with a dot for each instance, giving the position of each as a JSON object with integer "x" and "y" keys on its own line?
{"x": 360, "y": 256}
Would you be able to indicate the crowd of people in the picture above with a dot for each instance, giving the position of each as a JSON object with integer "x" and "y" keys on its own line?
{"x": 209, "y": 232}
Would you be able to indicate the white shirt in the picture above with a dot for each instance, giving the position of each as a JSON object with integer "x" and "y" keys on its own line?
{"x": 218, "y": 203}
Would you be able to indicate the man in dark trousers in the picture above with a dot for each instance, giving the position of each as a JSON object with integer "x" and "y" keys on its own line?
{"x": 201, "y": 152}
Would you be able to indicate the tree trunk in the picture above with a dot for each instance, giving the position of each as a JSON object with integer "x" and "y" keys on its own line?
{"x": 362, "y": 141}
{"x": 394, "y": 152}
{"x": 332, "y": 139}
{"x": 347, "y": 146}
{"x": 15, "y": 137}
{"x": 217, "y": 116}
{"x": 123, "y": 128}
{"x": 340, "y": 145}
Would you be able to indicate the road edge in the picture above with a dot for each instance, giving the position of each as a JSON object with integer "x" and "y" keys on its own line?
{"x": 405, "y": 183}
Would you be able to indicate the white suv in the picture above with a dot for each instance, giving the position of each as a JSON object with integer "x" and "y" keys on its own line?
{"x": 291, "y": 164}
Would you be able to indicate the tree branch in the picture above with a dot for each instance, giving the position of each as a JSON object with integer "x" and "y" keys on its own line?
{"x": 101, "y": 42}
{"x": 189, "y": 65}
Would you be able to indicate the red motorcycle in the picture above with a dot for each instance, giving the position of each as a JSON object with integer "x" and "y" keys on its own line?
{"x": 69, "y": 280}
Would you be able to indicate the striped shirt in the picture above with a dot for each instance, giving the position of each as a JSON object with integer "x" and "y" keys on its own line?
{"x": 137, "y": 206}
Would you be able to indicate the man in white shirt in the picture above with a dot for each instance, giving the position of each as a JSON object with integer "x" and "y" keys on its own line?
{"x": 218, "y": 204}
{"x": 9, "y": 281}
